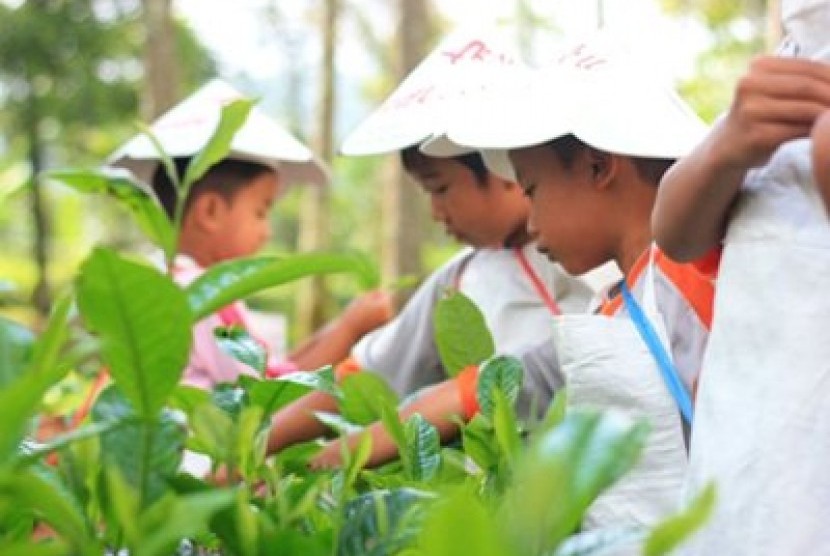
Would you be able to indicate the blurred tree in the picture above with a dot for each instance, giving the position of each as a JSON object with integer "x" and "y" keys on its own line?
{"x": 161, "y": 65}
{"x": 69, "y": 80}
{"x": 739, "y": 29}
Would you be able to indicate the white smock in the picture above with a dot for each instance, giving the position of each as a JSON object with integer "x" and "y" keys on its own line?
{"x": 762, "y": 423}
{"x": 608, "y": 366}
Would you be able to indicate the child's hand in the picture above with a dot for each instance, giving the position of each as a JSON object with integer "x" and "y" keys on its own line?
{"x": 821, "y": 156}
{"x": 368, "y": 311}
{"x": 778, "y": 99}
{"x": 328, "y": 458}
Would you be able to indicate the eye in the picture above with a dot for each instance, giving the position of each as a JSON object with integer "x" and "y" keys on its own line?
{"x": 529, "y": 190}
{"x": 441, "y": 189}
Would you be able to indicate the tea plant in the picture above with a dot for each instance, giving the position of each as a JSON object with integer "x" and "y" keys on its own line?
{"x": 120, "y": 483}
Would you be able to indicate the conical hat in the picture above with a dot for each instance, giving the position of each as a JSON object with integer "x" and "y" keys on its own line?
{"x": 417, "y": 109}
{"x": 590, "y": 91}
{"x": 186, "y": 128}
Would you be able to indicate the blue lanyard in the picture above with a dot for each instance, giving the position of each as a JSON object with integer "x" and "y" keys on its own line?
{"x": 664, "y": 362}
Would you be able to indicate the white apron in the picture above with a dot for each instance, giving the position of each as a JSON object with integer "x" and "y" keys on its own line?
{"x": 607, "y": 365}
{"x": 762, "y": 424}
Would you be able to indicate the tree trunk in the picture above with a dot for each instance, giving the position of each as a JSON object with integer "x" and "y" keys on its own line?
{"x": 161, "y": 74}
{"x": 314, "y": 298}
{"x": 404, "y": 208}
{"x": 42, "y": 293}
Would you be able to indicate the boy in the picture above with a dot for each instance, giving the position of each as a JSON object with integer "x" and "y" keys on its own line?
{"x": 761, "y": 430}
{"x": 226, "y": 217}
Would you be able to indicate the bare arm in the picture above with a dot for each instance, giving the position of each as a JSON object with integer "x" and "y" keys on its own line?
{"x": 776, "y": 101}
{"x": 333, "y": 343}
{"x": 296, "y": 422}
{"x": 821, "y": 156}
{"x": 438, "y": 405}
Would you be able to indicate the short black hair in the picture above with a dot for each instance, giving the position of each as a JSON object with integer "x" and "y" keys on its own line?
{"x": 650, "y": 169}
{"x": 226, "y": 178}
{"x": 412, "y": 159}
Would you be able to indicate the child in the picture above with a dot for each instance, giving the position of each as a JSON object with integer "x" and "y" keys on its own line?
{"x": 761, "y": 430}
{"x": 821, "y": 156}
{"x": 226, "y": 217}
{"x": 516, "y": 289}
{"x": 591, "y": 202}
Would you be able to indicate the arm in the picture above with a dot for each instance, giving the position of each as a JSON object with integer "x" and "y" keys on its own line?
{"x": 438, "y": 405}
{"x": 776, "y": 101}
{"x": 333, "y": 342}
{"x": 821, "y": 156}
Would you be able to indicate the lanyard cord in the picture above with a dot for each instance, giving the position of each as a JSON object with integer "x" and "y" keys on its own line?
{"x": 658, "y": 351}
{"x": 540, "y": 288}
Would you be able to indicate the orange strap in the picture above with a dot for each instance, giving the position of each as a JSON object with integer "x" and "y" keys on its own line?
{"x": 467, "y": 382}
{"x": 100, "y": 381}
{"x": 538, "y": 285}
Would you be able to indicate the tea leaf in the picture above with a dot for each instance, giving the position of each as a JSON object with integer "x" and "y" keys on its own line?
{"x": 229, "y": 281}
{"x": 504, "y": 373}
{"x": 461, "y": 334}
{"x": 423, "y": 447}
{"x": 236, "y": 342}
{"x": 144, "y": 324}
{"x": 364, "y": 397}
{"x": 668, "y": 535}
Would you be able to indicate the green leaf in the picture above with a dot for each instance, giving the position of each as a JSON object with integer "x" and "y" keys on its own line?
{"x": 20, "y": 399}
{"x": 16, "y": 346}
{"x": 364, "y": 397}
{"x": 143, "y": 207}
{"x": 669, "y": 534}
{"x": 146, "y": 452}
{"x": 236, "y": 342}
{"x": 504, "y": 373}
{"x": 212, "y": 430}
{"x": 423, "y": 447}
{"x": 382, "y": 522}
{"x": 391, "y": 420}
{"x": 229, "y": 281}
{"x": 144, "y": 324}
{"x": 356, "y": 460}
{"x": 44, "y": 496}
{"x": 461, "y": 334}
{"x": 232, "y": 118}
{"x": 571, "y": 464}
{"x": 506, "y": 426}
{"x": 65, "y": 440}
{"x": 271, "y": 395}
{"x": 556, "y": 412}
{"x": 36, "y": 548}
{"x": 478, "y": 439}
{"x": 184, "y": 517}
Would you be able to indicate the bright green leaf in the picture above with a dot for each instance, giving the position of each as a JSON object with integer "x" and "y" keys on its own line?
{"x": 143, "y": 207}
{"x": 16, "y": 346}
{"x": 423, "y": 446}
{"x": 229, "y": 281}
{"x": 669, "y": 534}
{"x": 236, "y": 342}
{"x": 144, "y": 324}
{"x": 364, "y": 397}
{"x": 461, "y": 334}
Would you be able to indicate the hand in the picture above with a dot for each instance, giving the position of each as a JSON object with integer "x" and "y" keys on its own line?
{"x": 368, "y": 311}
{"x": 328, "y": 458}
{"x": 821, "y": 156}
{"x": 777, "y": 100}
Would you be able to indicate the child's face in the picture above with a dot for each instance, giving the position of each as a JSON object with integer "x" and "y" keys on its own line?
{"x": 566, "y": 217}
{"x": 243, "y": 223}
{"x": 480, "y": 215}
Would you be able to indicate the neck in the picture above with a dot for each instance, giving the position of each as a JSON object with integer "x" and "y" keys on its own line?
{"x": 632, "y": 246}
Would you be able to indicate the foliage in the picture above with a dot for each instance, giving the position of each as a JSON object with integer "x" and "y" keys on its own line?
{"x": 126, "y": 480}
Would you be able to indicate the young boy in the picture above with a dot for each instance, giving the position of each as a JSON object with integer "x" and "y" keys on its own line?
{"x": 517, "y": 290}
{"x": 761, "y": 430}
{"x": 226, "y": 217}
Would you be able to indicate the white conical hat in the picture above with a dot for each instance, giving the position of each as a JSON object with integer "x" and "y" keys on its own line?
{"x": 417, "y": 109}
{"x": 186, "y": 128}
{"x": 590, "y": 91}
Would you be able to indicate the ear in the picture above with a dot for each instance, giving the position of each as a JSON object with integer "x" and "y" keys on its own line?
{"x": 603, "y": 167}
{"x": 207, "y": 210}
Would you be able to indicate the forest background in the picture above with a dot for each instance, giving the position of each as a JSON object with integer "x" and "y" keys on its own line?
{"x": 76, "y": 76}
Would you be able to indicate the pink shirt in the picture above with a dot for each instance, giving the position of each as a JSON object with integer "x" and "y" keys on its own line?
{"x": 208, "y": 364}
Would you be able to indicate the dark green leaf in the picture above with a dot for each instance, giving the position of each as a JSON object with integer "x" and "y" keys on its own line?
{"x": 229, "y": 281}
{"x": 16, "y": 345}
{"x": 144, "y": 324}
{"x": 461, "y": 333}
{"x": 146, "y": 452}
{"x": 669, "y": 534}
{"x": 382, "y": 522}
{"x": 236, "y": 342}
{"x": 144, "y": 208}
{"x": 364, "y": 397}
{"x": 20, "y": 399}
{"x": 504, "y": 373}
{"x": 423, "y": 447}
